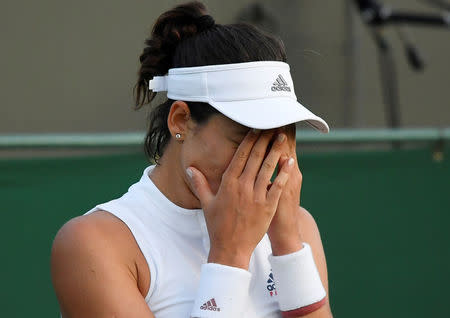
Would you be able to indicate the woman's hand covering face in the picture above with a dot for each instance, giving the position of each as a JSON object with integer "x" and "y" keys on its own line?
{"x": 240, "y": 213}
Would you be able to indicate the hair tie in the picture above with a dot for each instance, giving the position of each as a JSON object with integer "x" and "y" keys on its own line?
{"x": 204, "y": 22}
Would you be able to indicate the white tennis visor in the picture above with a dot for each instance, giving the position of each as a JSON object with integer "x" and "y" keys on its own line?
{"x": 255, "y": 94}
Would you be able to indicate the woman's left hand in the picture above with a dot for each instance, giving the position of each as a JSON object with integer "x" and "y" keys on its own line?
{"x": 285, "y": 229}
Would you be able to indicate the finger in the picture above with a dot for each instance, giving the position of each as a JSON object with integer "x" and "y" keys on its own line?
{"x": 257, "y": 155}
{"x": 282, "y": 161}
{"x": 268, "y": 167}
{"x": 289, "y": 147}
{"x": 199, "y": 185}
{"x": 240, "y": 157}
{"x": 273, "y": 195}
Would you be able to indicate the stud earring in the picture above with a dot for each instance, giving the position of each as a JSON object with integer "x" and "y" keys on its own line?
{"x": 177, "y": 135}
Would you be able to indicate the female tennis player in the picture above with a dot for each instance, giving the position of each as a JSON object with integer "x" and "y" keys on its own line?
{"x": 204, "y": 232}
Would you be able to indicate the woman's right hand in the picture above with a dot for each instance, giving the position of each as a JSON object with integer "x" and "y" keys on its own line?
{"x": 239, "y": 214}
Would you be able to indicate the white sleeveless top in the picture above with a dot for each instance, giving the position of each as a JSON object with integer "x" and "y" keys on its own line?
{"x": 175, "y": 243}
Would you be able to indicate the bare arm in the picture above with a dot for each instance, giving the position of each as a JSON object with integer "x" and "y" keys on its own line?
{"x": 93, "y": 270}
{"x": 310, "y": 233}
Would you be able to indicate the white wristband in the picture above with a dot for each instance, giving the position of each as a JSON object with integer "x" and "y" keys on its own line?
{"x": 223, "y": 291}
{"x": 300, "y": 290}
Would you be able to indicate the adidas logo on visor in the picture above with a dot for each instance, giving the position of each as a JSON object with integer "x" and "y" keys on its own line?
{"x": 210, "y": 305}
{"x": 280, "y": 84}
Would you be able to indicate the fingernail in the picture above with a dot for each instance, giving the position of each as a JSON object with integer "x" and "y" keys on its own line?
{"x": 189, "y": 172}
{"x": 291, "y": 162}
{"x": 281, "y": 138}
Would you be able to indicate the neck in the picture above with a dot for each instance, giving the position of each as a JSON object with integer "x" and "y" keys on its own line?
{"x": 170, "y": 178}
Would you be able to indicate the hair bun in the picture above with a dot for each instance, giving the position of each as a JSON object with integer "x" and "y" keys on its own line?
{"x": 171, "y": 28}
{"x": 204, "y": 22}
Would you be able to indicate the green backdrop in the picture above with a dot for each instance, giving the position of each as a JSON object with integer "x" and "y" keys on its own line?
{"x": 383, "y": 216}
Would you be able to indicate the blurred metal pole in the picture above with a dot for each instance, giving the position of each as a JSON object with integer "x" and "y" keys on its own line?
{"x": 388, "y": 78}
{"x": 353, "y": 106}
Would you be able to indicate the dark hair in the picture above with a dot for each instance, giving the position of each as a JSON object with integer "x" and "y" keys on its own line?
{"x": 187, "y": 36}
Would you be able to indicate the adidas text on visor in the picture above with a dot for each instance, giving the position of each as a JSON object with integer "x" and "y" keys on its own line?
{"x": 255, "y": 94}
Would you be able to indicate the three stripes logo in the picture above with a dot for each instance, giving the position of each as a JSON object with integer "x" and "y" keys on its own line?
{"x": 280, "y": 84}
{"x": 271, "y": 285}
{"x": 210, "y": 305}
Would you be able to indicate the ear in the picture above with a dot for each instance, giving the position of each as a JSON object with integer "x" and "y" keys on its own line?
{"x": 178, "y": 118}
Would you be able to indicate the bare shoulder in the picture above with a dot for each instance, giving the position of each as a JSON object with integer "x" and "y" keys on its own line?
{"x": 91, "y": 252}
{"x": 98, "y": 233}
{"x": 96, "y": 223}
{"x": 306, "y": 216}
{"x": 310, "y": 233}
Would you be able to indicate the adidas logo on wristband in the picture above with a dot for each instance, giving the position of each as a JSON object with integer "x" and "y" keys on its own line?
{"x": 271, "y": 285}
{"x": 210, "y": 305}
